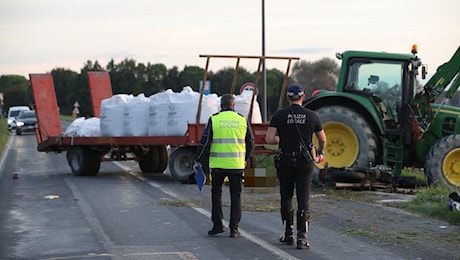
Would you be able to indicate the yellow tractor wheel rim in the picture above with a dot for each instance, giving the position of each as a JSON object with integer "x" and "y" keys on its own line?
{"x": 342, "y": 147}
{"x": 451, "y": 167}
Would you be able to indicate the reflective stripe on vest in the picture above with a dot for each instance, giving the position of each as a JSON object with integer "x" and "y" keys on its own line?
{"x": 228, "y": 147}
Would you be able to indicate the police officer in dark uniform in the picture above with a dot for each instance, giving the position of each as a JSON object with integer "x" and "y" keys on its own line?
{"x": 292, "y": 128}
{"x": 228, "y": 140}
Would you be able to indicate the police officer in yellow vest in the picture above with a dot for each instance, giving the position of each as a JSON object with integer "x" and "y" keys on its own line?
{"x": 228, "y": 140}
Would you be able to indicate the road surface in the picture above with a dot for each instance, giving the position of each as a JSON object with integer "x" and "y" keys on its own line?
{"x": 47, "y": 213}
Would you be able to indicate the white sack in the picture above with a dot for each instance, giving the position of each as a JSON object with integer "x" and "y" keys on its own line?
{"x": 112, "y": 115}
{"x": 171, "y": 112}
{"x": 182, "y": 109}
{"x": 136, "y": 117}
{"x": 72, "y": 129}
{"x": 158, "y": 110}
{"x": 84, "y": 127}
{"x": 243, "y": 104}
{"x": 91, "y": 127}
{"x": 209, "y": 106}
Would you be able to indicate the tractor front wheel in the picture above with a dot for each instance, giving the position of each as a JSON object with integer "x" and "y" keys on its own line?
{"x": 443, "y": 162}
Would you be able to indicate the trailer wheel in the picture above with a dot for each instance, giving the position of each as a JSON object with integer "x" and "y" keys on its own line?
{"x": 155, "y": 161}
{"x": 181, "y": 163}
{"x": 83, "y": 161}
{"x": 350, "y": 139}
{"x": 149, "y": 162}
{"x": 443, "y": 162}
{"x": 163, "y": 158}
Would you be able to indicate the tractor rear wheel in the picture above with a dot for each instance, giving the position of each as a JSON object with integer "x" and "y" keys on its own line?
{"x": 443, "y": 162}
{"x": 350, "y": 139}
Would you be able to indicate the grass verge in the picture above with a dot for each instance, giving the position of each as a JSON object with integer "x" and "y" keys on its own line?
{"x": 432, "y": 202}
{"x": 66, "y": 118}
{"x": 4, "y": 134}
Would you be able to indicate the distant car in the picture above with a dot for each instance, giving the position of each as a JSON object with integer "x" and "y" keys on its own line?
{"x": 13, "y": 112}
{"x": 26, "y": 122}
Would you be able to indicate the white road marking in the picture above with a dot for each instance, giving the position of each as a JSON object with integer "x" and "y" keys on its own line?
{"x": 183, "y": 255}
{"x": 393, "y": 200}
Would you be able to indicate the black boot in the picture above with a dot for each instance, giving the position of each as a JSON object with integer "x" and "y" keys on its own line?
{"x": 303, "y": 220}
{"x": 288, "y": 222}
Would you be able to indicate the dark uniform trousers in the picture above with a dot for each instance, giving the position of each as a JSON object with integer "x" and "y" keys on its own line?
{"x": 298, "y": 177}
{"x": 235, "y": 182}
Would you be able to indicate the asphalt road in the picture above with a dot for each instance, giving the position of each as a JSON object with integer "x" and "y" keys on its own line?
{"x": 47, "y": 213}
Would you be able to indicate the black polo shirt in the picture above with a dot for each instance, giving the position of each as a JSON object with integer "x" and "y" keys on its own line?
{"x": 285, "y": 121}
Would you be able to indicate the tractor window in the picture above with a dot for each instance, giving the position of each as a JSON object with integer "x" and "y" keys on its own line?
{"x": 383, "y": 79}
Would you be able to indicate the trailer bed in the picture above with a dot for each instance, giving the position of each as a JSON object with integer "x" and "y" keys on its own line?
{"x": 191, "y": 138}
{"x": 154, "y": 153}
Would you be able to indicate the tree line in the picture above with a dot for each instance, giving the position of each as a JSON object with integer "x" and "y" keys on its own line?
{"x": 131, "y": 77}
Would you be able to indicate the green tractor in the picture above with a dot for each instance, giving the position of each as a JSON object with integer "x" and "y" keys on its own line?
{"x": 380, "y": 119}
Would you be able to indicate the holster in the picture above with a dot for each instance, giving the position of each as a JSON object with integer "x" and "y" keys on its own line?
{"x": 276, "y": 160}
{"x": 288, "y": 158}
{"x": 313, "y": 151}
{"x": 309, "y": 153}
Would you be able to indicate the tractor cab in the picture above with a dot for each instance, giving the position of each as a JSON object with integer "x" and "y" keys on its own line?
{"x": 380, "y": 80}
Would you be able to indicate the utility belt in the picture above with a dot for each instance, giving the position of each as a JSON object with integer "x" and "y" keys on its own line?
{"x": 290, "y": 158}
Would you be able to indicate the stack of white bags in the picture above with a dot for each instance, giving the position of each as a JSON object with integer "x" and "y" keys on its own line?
{"x": 166, "y": 113}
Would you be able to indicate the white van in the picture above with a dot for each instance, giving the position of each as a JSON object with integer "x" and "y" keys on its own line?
{"x": 13, "y": 112}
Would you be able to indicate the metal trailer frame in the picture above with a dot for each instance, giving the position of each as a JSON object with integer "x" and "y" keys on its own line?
{"x": 84, "y": 154}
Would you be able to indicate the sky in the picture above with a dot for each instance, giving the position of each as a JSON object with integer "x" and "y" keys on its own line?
{"x": 38, "y": 36}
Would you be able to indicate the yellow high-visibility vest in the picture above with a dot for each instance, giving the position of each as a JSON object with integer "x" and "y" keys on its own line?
{"x": 228, "y": 147}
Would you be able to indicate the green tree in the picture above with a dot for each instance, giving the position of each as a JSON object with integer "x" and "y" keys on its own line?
{"x": 322, "y": 74}
{"x": 16, "y": 91}
{"x": 64, "y": 81}
{"x": 80, "y": 92}
{"x": 191, "y": 76}
{"x": 275, "y": 79}
{"x": 111, "y": 65}
{"x": 155, "y": 74}
{"x": 127, "y": 77}
{"x": 90, "y": 66}
{"x": 172, "y": 80}
{"x": 244, "y": 76}
{"x": 222, "y": 80}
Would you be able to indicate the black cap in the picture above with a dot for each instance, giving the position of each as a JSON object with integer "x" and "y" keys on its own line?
{"x": 294, "y": 92}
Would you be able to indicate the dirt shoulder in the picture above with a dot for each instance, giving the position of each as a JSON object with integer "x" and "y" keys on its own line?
{"x": 365, "y": 216}
{"x": 368, "y": 216}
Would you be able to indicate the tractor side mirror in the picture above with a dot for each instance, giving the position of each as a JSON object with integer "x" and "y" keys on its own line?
{"x": 373, "y": 79}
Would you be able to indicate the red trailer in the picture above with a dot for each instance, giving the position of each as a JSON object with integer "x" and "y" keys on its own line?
{"x": 85, "y": 154}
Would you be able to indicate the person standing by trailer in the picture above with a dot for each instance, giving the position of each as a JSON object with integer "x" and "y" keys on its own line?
{"x": 295, "y": 126}
{"x": 228, "y": 140}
